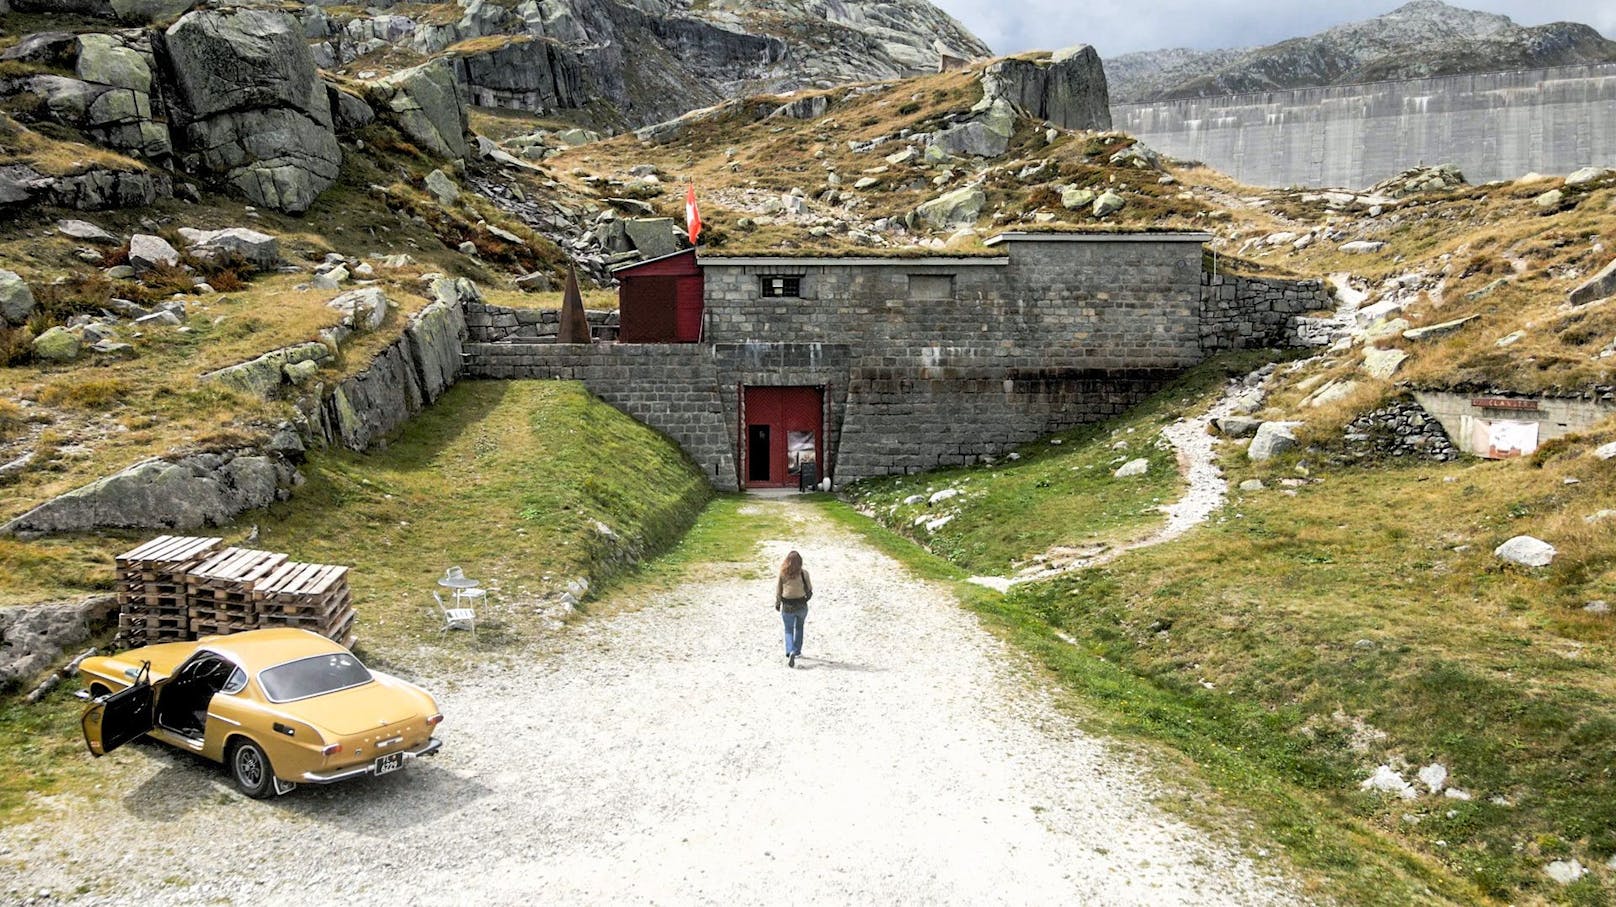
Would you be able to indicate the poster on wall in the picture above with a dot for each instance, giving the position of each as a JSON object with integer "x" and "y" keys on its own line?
{"x": 1498, "y": 439}
{"x": 799, "y": 451}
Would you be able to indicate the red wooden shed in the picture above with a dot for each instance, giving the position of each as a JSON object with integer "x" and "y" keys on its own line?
{"x": 660, "y": 300}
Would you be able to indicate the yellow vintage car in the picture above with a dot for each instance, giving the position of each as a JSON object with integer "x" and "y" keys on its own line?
{"x": 278, "y": 707}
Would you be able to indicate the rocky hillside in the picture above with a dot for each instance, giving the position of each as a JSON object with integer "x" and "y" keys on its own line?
{"x": 608, "y": 63}
{"x": 1423, "y": 38}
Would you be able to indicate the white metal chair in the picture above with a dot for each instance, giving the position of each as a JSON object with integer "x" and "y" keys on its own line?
{"x": 456, "y": 618}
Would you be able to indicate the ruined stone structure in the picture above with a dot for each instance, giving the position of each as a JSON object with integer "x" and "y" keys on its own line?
{"x": 912, "y": 363}
{"x": 1497, "y": 125}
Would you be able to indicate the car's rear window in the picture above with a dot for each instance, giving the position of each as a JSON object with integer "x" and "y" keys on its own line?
{"x": 313, "y": 676}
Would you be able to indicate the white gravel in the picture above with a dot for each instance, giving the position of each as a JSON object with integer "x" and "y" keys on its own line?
{"x": 667, "y": 754}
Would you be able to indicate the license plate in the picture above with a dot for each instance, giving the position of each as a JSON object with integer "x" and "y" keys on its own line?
{"x": 391, "y": 762}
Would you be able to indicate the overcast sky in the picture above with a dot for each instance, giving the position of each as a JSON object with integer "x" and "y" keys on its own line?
{"x": 1120, "y": 26}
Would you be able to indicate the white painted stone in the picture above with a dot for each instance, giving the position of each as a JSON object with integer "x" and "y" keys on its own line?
{"x": 943, "y": 495}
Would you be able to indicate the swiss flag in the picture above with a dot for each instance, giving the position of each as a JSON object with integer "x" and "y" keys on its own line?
{"x": 692, "y": 214}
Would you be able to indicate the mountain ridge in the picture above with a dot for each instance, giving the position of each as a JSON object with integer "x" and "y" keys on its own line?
{"x": 1416, "y": 40}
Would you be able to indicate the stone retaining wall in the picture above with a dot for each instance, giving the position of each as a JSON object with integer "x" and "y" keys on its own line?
{"x": 1248, "y": 313}
{"x": 673, "y": 388}
{"x": 1400, "y": 429}
{"x": 494, "y": 323}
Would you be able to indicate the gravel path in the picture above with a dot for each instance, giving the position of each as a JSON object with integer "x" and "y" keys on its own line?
{"x": 666, "y": 754}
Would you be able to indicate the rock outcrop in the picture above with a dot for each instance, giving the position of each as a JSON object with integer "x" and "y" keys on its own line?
{"x": 249, "y": 105}
{"x": 411, "y": 373}
{"x": 424, "y": 103}
{"x": 1067, "y": 87}
{"x": 32, "y": 637}
{"x": 200, "y": 490}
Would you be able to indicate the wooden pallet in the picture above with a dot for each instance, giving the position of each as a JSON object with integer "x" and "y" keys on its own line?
{"x": 312, "y": 596}
{"x": 153, "y": 599}
{"x": 220, "y": 590}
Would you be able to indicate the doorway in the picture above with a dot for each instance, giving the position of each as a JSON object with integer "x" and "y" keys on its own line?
{"x": 758, "y": 460}
{"x": 785, "y": 438}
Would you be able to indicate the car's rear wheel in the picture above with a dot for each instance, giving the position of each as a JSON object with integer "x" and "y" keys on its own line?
{"x": 249, "y": 766}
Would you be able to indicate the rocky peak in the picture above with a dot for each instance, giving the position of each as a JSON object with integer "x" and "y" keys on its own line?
{"x": 1422, "y": 38}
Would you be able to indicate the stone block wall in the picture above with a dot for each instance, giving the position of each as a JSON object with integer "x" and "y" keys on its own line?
{"x": 924, "y": 362}
{"x": 493, "y": 323}
{"x": 1248, "y": 313}
{"x": 673, "y": 388}
{"x": 899, "y": 423}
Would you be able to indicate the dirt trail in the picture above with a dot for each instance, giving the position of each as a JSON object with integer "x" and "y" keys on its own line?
{"x": 1207, "y": 491}
{"x": 667, "y": 754}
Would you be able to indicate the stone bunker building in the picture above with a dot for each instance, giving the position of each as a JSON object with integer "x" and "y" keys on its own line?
{"x": 769, "y": 370}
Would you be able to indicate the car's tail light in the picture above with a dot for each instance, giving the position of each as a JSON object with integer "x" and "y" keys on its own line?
{"x": 434, "y": 720}
{"x": 331, "y": 749}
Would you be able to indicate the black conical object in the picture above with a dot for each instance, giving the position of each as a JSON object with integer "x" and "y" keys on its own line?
{"x": 574, "y": 323}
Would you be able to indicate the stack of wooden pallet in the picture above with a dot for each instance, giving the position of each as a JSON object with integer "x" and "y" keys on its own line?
{"x": 312, "y": 596}
{"x": 153, "y": 603}
{"x": 222, "y": 590}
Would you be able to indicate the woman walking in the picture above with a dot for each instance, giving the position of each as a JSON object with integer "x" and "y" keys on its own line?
{"x": 791, "y": 593}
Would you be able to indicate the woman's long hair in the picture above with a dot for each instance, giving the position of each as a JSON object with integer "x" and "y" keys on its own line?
{"x": 792, "y": 567}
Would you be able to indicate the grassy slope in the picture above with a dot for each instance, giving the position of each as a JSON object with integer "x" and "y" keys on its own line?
{"x": 1054, "y": 496}
{"x": 1308, "y": 635}
{"x": 505, "y": 479}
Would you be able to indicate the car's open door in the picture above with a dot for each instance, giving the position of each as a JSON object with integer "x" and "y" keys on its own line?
{"x": 114, "y": 720}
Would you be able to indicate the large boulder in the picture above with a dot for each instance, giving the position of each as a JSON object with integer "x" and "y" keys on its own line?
{"x": 16, "y": 298}
{"x": 1596, "y": 287}
{"x": 57, "y": 345}
{"x": 652, "y": 236}
{"x": 261, "y": 249}
{"x": 108, "y": 95}
{"x": 205, "y": 489}
{"x": 147, "y": 252}
{"x": 1272, "y": 439}
{"x": 425, "y": 104}
{"x": 1066, "y": 87}
{"x": 954, "y": 209}
{"x": 1526, "y": 551}
{"x": 987, "y": 134}
{"x": 252, "y": 105}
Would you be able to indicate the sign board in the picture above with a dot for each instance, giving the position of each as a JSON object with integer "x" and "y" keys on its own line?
{"x": 1503, "y": 403}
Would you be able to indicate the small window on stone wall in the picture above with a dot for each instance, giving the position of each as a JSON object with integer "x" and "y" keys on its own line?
{"x": 780, "y": 285}
{"x": 931, "y": 286}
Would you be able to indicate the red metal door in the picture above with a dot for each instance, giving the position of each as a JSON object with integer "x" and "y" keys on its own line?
{"x": 792, "y": 419}
{"x": 689, "y": 309}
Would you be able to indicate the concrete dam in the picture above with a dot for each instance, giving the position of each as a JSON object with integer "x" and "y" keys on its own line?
{"x": 1497, "y": 125}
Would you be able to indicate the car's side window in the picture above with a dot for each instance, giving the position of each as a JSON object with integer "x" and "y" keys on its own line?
{"x": 236, "y": 683}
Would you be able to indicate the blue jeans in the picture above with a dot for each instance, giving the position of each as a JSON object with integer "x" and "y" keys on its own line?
{"x": 793, "y": 621}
